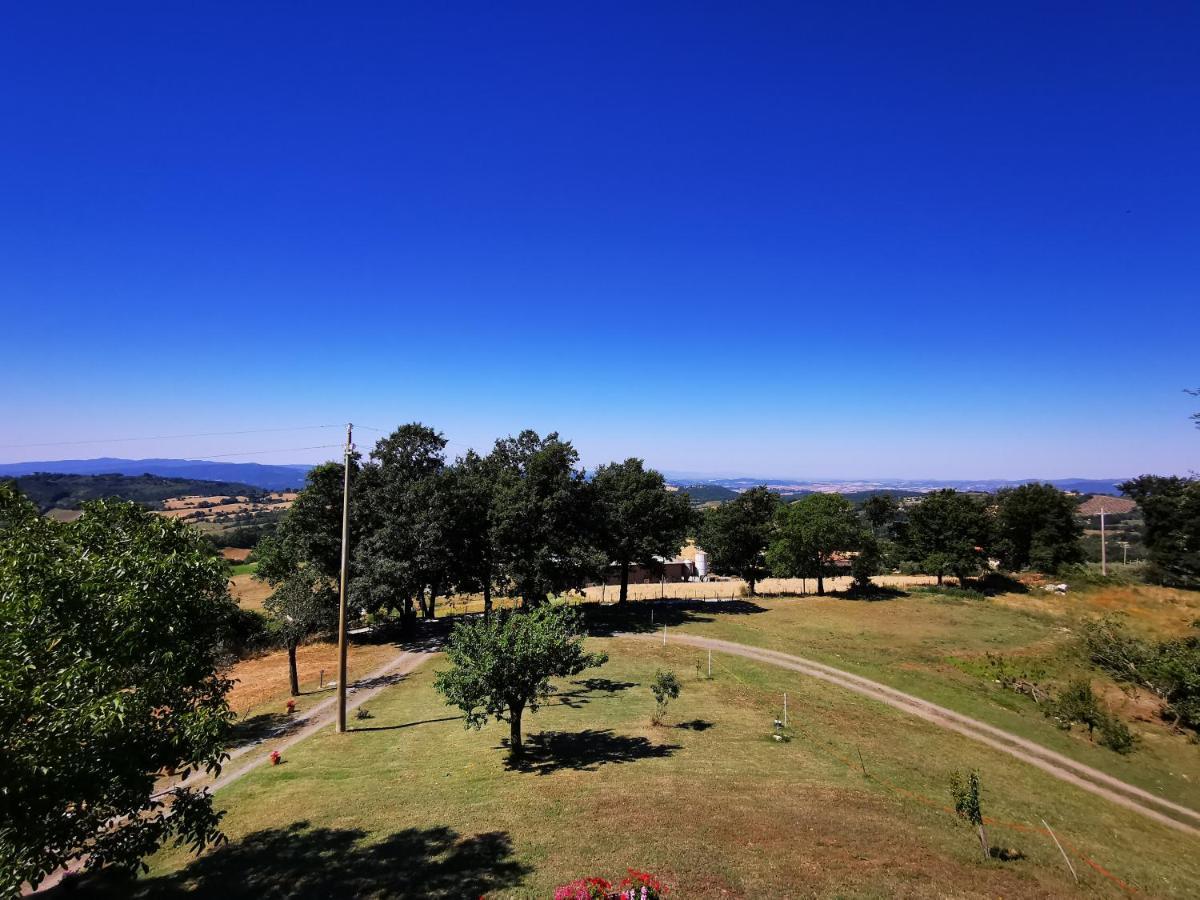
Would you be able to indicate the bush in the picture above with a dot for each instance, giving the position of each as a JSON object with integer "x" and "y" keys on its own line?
{"x": 665, "y": 688}
{"x": 1077, "y": 704}
{"x": 1171, "y": 669}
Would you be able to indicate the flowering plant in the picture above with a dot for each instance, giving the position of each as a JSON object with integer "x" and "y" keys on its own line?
{"x": 641, "y": 886}
{"x": 584, "y": 889}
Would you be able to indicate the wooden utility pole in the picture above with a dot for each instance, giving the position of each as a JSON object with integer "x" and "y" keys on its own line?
{"x": 1103, "y": 548}
{"x": 341, "y": 686}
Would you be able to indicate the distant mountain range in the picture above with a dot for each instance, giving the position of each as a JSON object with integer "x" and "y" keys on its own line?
{"x": 271, "y": 478}
{"x": 278, "y": 478}
{"x": 794, "y": 487}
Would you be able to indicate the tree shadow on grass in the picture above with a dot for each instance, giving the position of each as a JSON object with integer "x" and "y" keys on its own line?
{"x": 873, "y": 594}
{"x": 635, "y": 617}
{"x": 407, "y": 724}
{"x": 589, "y": 689}
{"x": 299, "y": 861}
{"x": 696, "y": 725}
{"x": 584, "y": 751}
{"x": 257, "y": 728}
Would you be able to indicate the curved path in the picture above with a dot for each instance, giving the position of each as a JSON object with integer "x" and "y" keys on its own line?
{"x": 1062, "y": 767}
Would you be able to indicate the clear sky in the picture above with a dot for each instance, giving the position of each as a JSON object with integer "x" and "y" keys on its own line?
{"x": 816, "y": 240}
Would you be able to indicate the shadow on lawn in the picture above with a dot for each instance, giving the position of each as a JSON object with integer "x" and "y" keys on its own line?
{"x": 696, "y": 725}
{"x": 301, "y": 861}
{"x": 589, "y": 689}
{"x": 635, "y": 617}
{"x": 584, "y": 751}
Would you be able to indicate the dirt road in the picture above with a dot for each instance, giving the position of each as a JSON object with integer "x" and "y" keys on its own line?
{"x": 1062, "y": 767}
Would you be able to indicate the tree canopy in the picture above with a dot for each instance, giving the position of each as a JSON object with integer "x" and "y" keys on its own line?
{"x": 110, "y": 627}
{"x": 1036, "y": 527}
{"x": 809, "y": 532}
{"x": 1171, "y": 509}
{"x": 544, "y": 517}
{"x": 948, "y": 532}
{"x": 502, "y": 666}
{"x": 736, "y": 535}
{"x": 637, "y": 518}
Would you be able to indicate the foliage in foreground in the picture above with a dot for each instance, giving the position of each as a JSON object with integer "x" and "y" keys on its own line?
{"x": 110, "y": 627}
{"x": 502, "y": 666}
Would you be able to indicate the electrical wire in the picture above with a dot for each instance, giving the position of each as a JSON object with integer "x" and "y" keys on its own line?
{"x": 166, "y": 437}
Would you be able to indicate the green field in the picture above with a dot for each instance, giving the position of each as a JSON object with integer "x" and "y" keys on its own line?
{"x": 855, "y": 804}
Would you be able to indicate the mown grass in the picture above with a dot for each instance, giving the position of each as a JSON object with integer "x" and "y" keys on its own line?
{"x": 414, "y": 805}
{"x": 935, "y": 647}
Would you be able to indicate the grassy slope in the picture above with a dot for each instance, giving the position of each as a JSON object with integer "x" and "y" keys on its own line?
{"x": 418, "y": 806}
{"x": 919, "y": 644}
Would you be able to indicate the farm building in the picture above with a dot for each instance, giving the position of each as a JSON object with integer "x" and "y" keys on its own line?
{"x": 670, "y": 570}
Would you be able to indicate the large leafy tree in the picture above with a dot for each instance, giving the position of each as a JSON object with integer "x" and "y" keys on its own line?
{"x": 110, "y": 629}
{"x": 1171, "y": 508}
{"x": 947, "y": 532}
{"x": 810, "y": 531}
{"x": 736, "y": 535}
{"x": 544, "y": 522}
{"x": 312, "y": 528}
{"x": 637, "y": 518}
{"x": 1036, "y": 526}
{"x": 301, "y": 605}
{"x": 502, "y": 666}
{"x": 402, "y": 517}
{"x": 472, "y": 489}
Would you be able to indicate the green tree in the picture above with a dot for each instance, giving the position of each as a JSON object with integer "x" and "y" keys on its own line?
{"x": 967, "y": 806}
{"x": 402, "y": 551}
{"x": 948, "y": 532}
{"x": 809, "y": 532}
{"x": 544, "y": 517}
{"x": 302, "y": 605}
{"x": 665, "y": 688}
{"x": 1036, "y": 527}
{"x": 880, "y": 512}
{"x": 735, "y": 535}
{"x": 638, "y": 519}
{"x": 1171, "y": 509}
{"x": 502, "y": 666}
{"x": 473, "y": 487}
{"x": 110, "y": 631}
{"x": 312, "y": 528}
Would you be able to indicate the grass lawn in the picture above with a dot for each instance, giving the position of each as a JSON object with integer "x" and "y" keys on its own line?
{"x": 413, "y": 805}
{"x": 246, "y": 568}
{"x": 935, "y": 648}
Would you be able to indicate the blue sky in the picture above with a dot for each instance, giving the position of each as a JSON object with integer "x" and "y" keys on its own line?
{"x": 837, "y": 240}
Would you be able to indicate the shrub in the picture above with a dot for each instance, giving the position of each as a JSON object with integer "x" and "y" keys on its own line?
{"x": 666, "y": 687}
{"x": 1078, "y": 704}
{"x": 1171, "y": 669}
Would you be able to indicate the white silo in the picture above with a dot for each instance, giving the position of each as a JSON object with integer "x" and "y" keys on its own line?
{"x": 702, "y": 564}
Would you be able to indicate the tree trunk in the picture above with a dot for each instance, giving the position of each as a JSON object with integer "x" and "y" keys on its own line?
{"x": 750, "y": 583}
{"x": 983, "y": 842}
{"x": 515, "y": 747}
{"x": 487, "y": 600}
{"x": 434, "y": 589}
{"x": 820, "y": 585}
{"x": 624, "y": 582}
{"x": 939, "y": 579}
{"x": 422, "y": 604}
{"x": 293, "y": 675}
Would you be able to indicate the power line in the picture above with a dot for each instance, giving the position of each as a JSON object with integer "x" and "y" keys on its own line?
{"x": 276, "y": 450}
{"x": 171, "y": 437}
